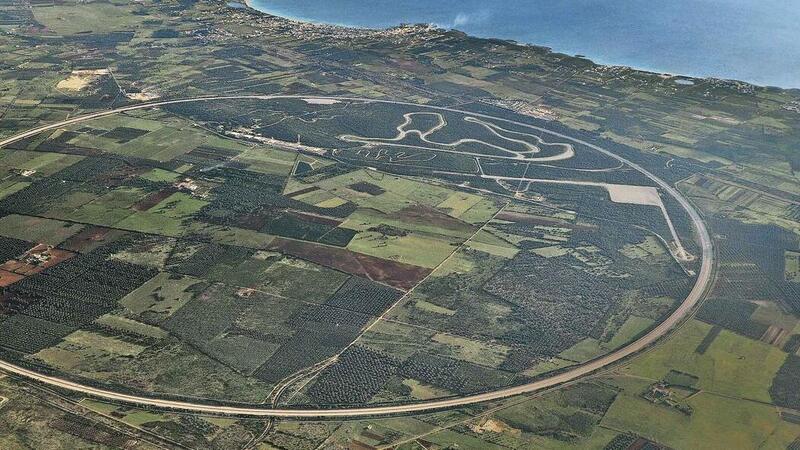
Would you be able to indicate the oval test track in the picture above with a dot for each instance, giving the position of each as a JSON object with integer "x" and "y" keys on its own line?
{"x": 572, "y": 374}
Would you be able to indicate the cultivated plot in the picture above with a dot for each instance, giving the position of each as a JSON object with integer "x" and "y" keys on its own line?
{"x": 329, "y": 252}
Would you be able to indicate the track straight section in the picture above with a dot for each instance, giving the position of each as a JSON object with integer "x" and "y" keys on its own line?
{"x": 676, "y": 318}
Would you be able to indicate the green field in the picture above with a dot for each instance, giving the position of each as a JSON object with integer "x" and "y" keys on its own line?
{"x": 717, "y": 422}
{"x": 164, "y": 294}
{"x": 35, "y": 229}
{"x": 86, "y": 18}
{"x": 725, "y": 368}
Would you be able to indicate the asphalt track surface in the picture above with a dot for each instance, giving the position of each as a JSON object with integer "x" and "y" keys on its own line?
{"x": 402, "y": 133}
{"x": 683, "y": 311}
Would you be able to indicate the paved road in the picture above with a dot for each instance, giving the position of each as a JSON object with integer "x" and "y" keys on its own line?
{"x": 572, "y": 374}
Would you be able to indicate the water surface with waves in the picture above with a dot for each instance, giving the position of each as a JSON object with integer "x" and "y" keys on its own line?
{"x": 751, "y": 40}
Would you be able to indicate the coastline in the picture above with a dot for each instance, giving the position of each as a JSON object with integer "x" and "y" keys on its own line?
{"x": 685, "y": 77}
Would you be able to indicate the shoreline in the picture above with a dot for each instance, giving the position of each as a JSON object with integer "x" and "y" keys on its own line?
{"x": 432, "y": 26}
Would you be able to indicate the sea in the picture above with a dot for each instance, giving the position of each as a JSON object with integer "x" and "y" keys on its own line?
{"x": 757, "y": 41}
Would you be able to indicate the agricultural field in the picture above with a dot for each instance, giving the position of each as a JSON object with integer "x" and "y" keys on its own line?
{"x": 271, "y": 214}
{"x": 221, "y": 248}
{"x": 34, "y": 420}
{"x": 792, "y": 263}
